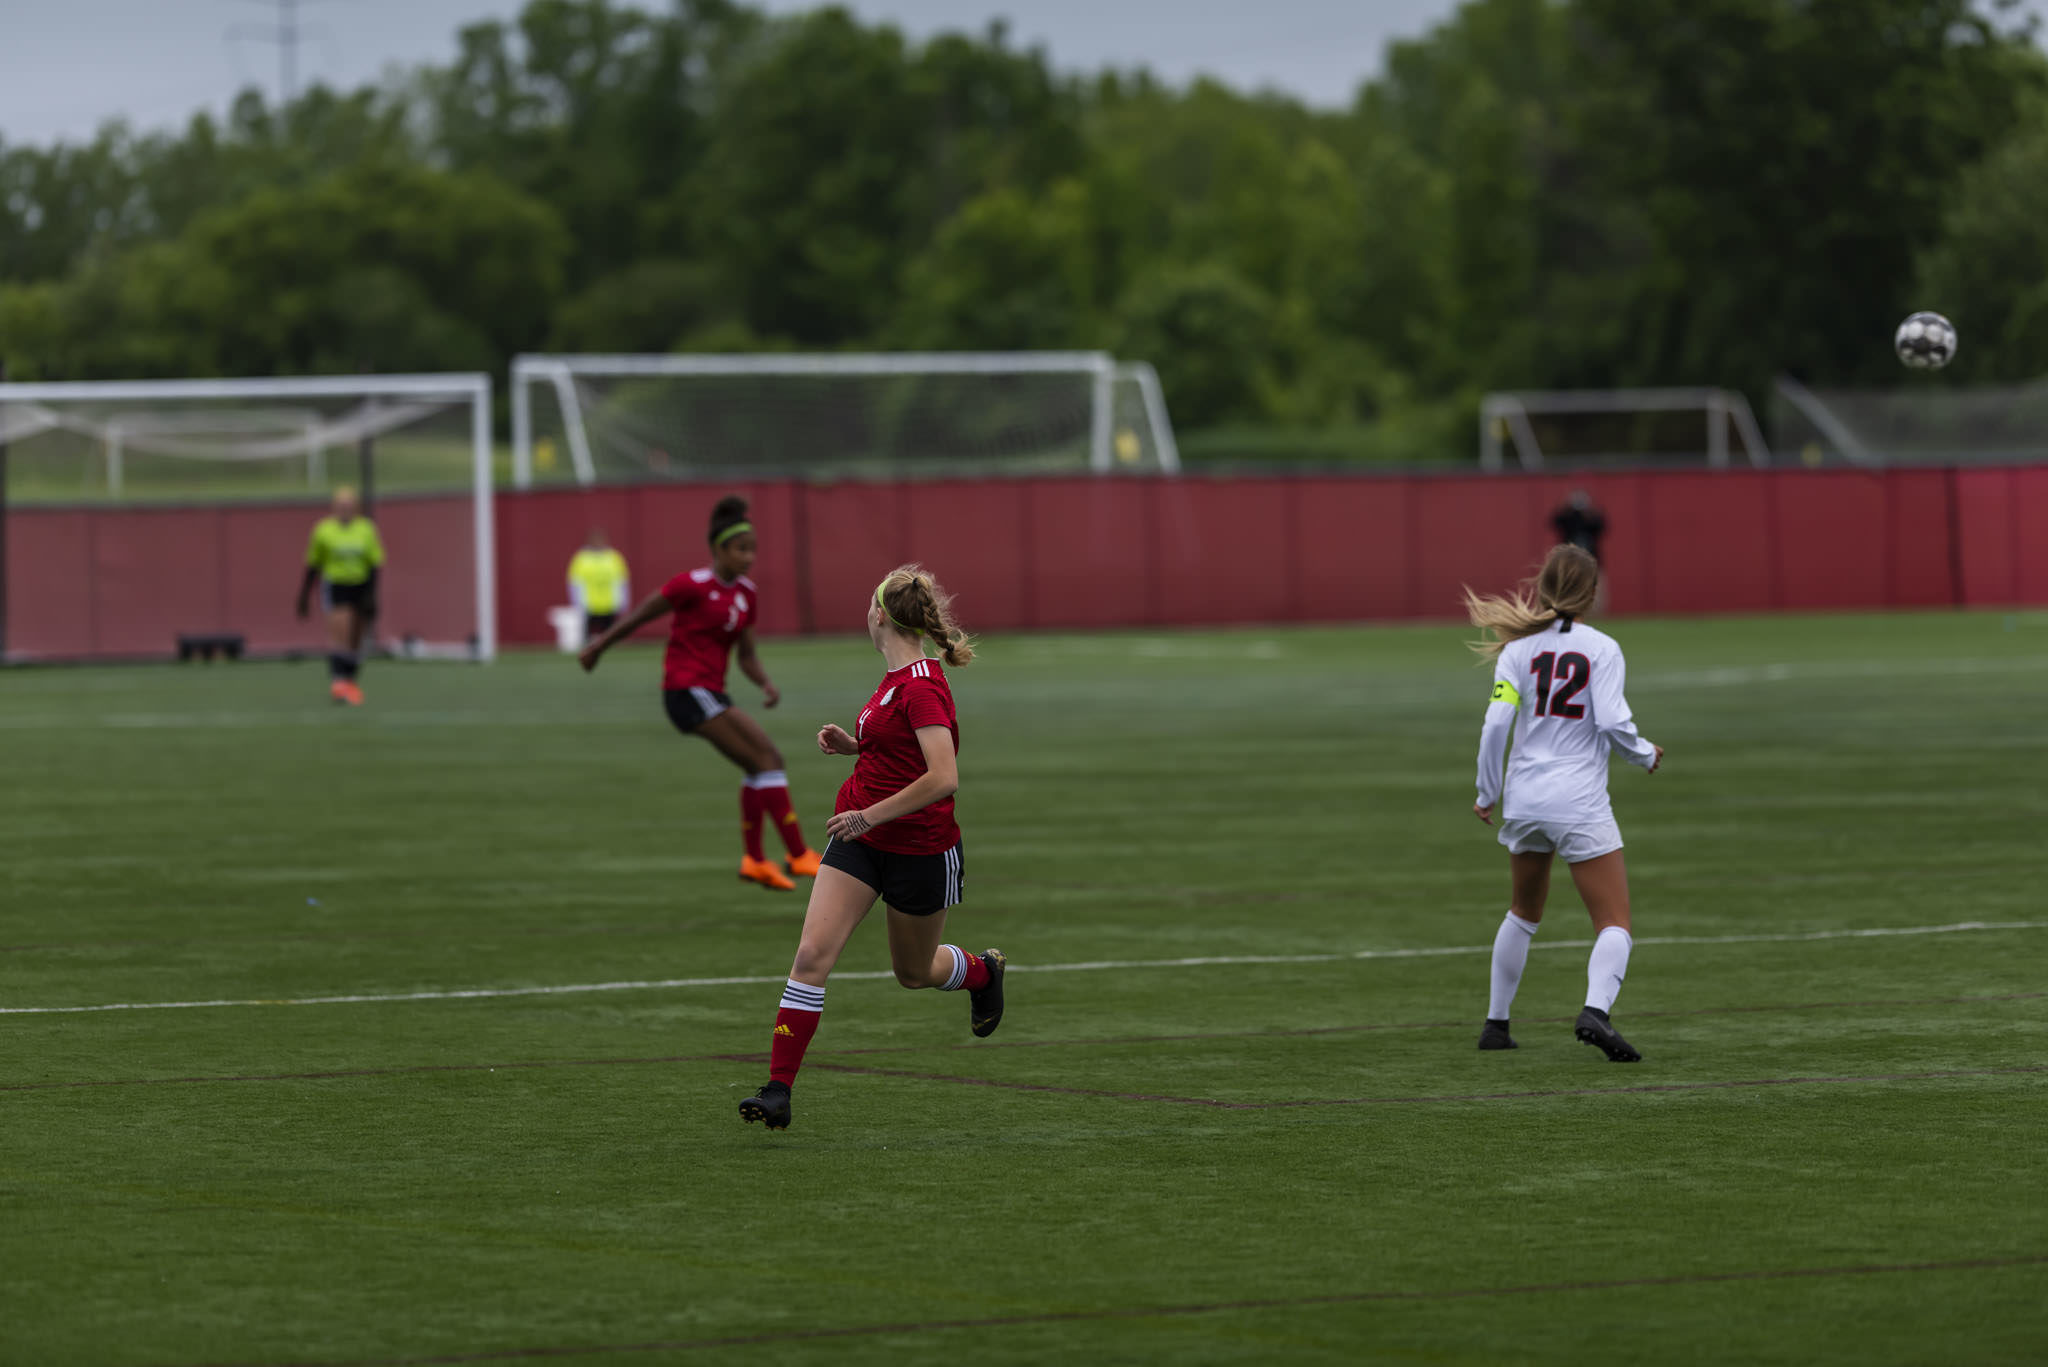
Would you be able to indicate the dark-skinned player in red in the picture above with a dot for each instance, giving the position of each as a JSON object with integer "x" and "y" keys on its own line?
{"x": 712, "y": 618}
{"x": 894, "y": 838}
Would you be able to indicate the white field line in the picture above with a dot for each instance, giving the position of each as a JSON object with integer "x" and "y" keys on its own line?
{"x": 1090, "y": 966}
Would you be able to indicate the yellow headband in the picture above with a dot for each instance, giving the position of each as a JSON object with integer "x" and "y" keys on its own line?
{"x": 900, "y": 626}
{"x": 730, "y": 532}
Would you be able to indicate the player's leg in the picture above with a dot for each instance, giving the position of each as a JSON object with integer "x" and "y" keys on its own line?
{"x": 1602, "y": 881}
{"x": 764, "y": 796}
{"x": 839, "y": 901}
{"x": 740, "y": 739}
{"x": 918, "y": 889}
{"x": 341, "y": 650}
{"x": 1529, "y": 860}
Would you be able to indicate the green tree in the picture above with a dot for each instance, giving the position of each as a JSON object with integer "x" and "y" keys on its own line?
{"x": 1986, "y": 272}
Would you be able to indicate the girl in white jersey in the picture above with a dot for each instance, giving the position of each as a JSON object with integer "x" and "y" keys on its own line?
{"x": 1557, "y": 684}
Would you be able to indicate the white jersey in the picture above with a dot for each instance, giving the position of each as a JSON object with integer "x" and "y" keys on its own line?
{"x": 1560, "y": 691}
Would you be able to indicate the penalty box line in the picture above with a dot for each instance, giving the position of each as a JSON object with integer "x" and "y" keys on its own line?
{"x": 1086, "y": 966}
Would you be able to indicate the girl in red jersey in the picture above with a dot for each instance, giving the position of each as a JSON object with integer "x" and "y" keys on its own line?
{"x": 712, "y": 613}
{"x": 893, "y": 836}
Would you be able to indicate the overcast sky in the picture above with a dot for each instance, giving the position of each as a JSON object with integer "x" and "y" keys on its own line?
{"x": 68, "y": 65}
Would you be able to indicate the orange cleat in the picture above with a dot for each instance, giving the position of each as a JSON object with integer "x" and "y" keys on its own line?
{"x": 806, "y": 865}
{"x": 338, "y": 690}
{"x": 351, "y": 693}
{"x": 760, "y": 871}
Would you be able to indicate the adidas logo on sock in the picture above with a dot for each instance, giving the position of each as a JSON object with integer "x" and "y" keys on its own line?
{"x": 785, "y": 1030}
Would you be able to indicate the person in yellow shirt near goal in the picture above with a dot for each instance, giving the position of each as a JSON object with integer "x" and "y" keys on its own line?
{"x": 343, "y": 559}
{"x": 599, "y": 584}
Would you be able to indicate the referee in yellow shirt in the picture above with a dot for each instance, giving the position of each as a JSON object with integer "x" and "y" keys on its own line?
{"x": 343, "y": 559}
{"x": 599, "y": 584}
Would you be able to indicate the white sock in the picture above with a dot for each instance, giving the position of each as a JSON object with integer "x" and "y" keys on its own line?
{"x": 1510, "y": 953}
{"x": 958, "y": 976}
{"x": 768, "y": 778}
{"x": 1607, "y": 967}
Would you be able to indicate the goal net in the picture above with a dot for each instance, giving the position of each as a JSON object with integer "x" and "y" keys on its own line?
{"x": 1920, "y": 424}
{"x": 139, "y": 515}
{"x": 589, "y": 419}
{"x": 1578, "y": 428}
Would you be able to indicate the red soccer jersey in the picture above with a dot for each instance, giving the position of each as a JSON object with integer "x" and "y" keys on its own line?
{"x": 710, "y": 615}
{"x": 891, "y": 759}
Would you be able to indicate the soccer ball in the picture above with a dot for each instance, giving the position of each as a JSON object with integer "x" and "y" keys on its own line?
{"x": 1926, "y": 341}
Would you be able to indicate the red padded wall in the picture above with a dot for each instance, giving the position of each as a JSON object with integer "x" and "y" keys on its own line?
{"x": 1831, "y": 543}
{"x": 1068, "y": 552}
{"x": 2030, "y": 534}
{"x": 1919, "y": 539}
{"x": 1353, "y": 540}
{"x": 1094, "y": 557}
{"x": 1226, "y": 551}
{"x": 1713, "y": 541}
{"x": 1486, "y": 533}
{"x": 49, "y": 583}
{"x": 1987, "y": 562}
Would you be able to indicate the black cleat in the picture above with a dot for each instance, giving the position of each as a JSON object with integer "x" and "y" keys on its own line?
{"x": 770, "y": 1106}
{"x": 985, "y": 1006}
{"x": 1595, "y": 1029}
{"x": 1495, "y": 1036}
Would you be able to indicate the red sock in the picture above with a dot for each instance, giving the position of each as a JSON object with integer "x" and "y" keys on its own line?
{"x": 775, "y": 802}
{"x": 977, "y": 973}
{"x": 750, "y": 821}
{"x": 803, "y": 1006}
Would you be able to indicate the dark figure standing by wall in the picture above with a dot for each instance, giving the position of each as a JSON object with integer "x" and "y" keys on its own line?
{"x": 1580, "y": 523}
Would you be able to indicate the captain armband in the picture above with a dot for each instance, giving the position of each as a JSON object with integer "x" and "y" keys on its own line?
{"x": 1503, "y": 691}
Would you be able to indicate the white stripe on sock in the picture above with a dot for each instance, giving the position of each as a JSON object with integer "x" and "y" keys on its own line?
{"x": 798, "y": 996}
{"x": 959, "y": 973}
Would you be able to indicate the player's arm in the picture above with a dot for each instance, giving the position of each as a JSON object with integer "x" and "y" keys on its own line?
{"x": 1617, "y": 724}
{"x": 315, "y": 556}
{"x": 751, "y": 666}
{"x": 1493, "y": 745}
{"x": 657, "y": 605}
{"x": 940, "y": 780}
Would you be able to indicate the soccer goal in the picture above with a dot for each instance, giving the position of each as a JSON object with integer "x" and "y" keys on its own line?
{"x": 140, "y": 517}
{"x": 1592, "y": 427}
{"x": 1917, "y": 423}
{"x": 587, "y": 419}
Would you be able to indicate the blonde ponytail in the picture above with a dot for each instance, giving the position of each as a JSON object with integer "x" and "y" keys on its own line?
{"x": 1565, "y": 587}
{"x": 914, "y": 603}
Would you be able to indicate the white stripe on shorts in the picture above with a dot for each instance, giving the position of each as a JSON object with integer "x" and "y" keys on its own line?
{"x": 708, "y": 704}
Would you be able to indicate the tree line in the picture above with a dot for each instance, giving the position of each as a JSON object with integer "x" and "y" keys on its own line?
{"x": 1536, "y": 194}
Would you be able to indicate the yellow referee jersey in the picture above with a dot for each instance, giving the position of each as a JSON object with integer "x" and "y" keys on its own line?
{"x": 345, "y": 552}
{"x": 598, "y": 581}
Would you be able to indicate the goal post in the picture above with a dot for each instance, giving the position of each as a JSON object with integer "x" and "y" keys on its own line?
{"x": 587, "y": 418}
{"x": 1585, "y": 426}
{"x": 153, "y": 508}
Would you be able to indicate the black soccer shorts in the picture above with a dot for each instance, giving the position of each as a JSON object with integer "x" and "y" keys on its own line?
{"x": 914, "y": 884}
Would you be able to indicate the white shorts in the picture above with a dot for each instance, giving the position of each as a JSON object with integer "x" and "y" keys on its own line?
{"x": 1574, "y": 842}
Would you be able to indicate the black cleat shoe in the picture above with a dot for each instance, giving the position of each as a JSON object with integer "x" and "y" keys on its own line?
{"x": 1495, "y": 1036}
{"x": 770, "y": 1106}
{"x": 985, "y": 1007}
{"x": 1595, "y": 1029}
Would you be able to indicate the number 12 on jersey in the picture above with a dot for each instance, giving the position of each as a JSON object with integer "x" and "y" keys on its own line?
{"x": 1570, "y": 673}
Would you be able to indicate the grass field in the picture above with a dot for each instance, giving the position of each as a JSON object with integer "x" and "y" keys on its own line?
{"x": 477, "y": 993}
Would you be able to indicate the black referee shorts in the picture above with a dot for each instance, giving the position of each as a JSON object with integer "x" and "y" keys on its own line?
{"x": 334, "y": 595}
{"x": 914, "y": 884}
